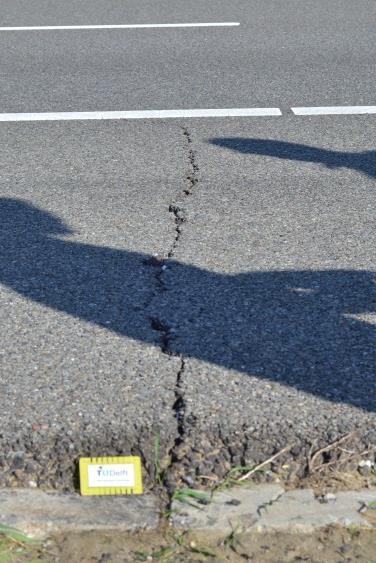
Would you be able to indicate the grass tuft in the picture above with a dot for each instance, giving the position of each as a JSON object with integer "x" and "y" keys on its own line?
{"x": 188, "y": 495}
{"x": 15, "y": 546}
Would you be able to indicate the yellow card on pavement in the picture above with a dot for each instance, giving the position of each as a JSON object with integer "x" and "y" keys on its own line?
{"x": 120, "y": 475}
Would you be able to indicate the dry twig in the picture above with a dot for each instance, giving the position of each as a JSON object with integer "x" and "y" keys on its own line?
{"x": 269, "y": 460}
{"x": 343, "y": 461}
{"x": 333, "y": 445}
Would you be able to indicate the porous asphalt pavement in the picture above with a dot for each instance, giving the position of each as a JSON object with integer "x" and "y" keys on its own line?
{"x": 207, "y": 284}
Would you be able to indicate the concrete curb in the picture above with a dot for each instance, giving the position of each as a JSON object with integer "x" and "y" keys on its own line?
{"x": 40, "y": 514}
{"x": 264, "y": 508}
{"x": 269, "y": 508}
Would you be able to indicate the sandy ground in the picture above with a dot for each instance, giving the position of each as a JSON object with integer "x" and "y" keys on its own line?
{"x": 330, "y": 545}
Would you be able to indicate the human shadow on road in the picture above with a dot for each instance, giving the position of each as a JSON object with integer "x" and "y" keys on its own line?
{"x": 364, "y": 162}
{"x": 304, "y": 329}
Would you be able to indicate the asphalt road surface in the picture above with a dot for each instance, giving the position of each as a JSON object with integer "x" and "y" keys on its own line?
{"x": 205, "y": 283}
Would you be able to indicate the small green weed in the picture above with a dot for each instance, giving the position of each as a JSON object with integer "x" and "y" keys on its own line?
{"x": 232, "y": 478}
{"x": 201, "y": 550}
{"x": 232, "y": 540}
{"x": 179, "y": 549}
{"x": 157, "y": 464}
{"x": 354, "y": 531}
{"x": 158, "y": 555}
{"x": 16, "y": 535}
{"x": 188, "y": 495}
{"x": 15, "y": 546}
{"x": 160, "y": 464}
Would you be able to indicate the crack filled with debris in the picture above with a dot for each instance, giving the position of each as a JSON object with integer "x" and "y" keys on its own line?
{"x": 192, "y": 175}
{"x": 190, "y": 182}
{"x": 166, "y": 333}
{"x": 179, "y": 218}
{"x": 179, "y": 407}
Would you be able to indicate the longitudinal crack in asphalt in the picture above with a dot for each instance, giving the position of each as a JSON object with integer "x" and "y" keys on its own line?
{"x": 179, "y": 217}
{"x": 166, "y": 333}
{"x": 192, "y": 175}
{"x": 190, "y": 182}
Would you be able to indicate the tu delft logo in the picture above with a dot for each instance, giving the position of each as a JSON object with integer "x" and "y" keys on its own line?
{"x": 105, "y": 473}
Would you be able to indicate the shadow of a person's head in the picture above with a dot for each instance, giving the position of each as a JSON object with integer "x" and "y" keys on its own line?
{"x": 308, "y": 329}
{"x": 19, "y": 217}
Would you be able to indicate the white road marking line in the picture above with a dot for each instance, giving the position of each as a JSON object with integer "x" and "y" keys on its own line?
{"x": 119, "y": 26}
{"x": 369, "y": 318}
{"x": 152, "y": 114}
{"x": 334, "y": 110}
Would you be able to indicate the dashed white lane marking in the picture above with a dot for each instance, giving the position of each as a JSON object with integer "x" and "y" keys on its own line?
{"x": 118, "y": 26}
{"x": 152, "y": 114}
{"x": 183, "y": 113}
{"x": 334, "y": 110}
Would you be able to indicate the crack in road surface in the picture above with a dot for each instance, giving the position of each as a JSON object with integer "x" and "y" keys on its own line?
{"x": 166, "y": 333}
